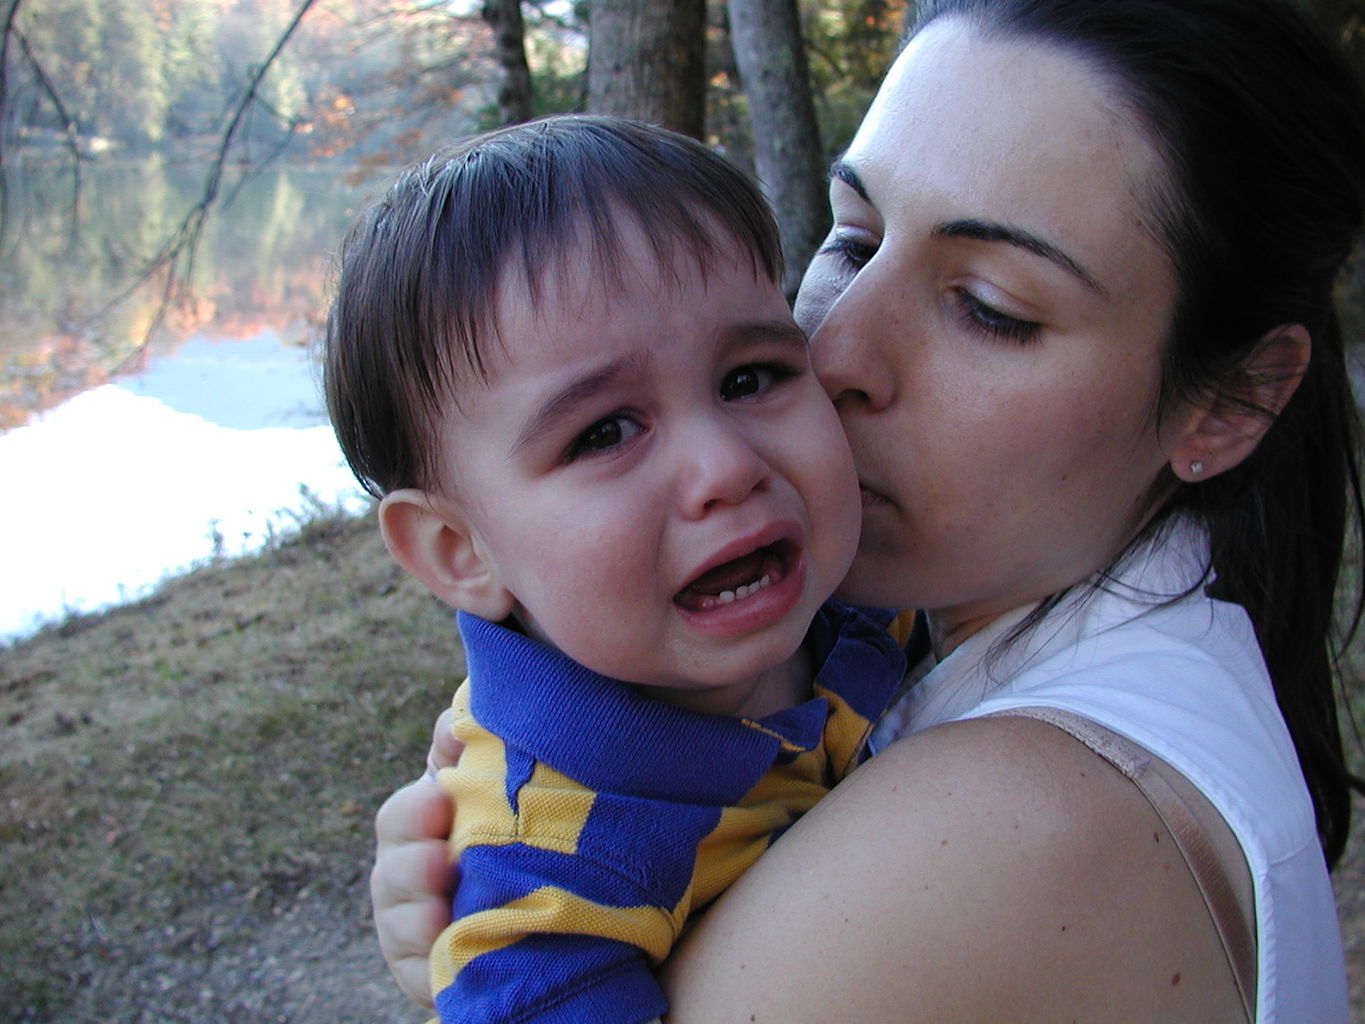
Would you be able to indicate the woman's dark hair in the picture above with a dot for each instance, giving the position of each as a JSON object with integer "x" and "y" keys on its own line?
{"x": 1261, "y": 124}
{"x": 416, "y": 296}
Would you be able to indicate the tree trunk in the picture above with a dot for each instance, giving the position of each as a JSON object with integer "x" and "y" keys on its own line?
{"x": 509, "y": 47}
{"x": 766, "y": 35}
{"x": 647, "y": 60}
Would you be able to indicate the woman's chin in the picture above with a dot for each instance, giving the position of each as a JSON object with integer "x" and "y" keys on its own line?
{"x": 875, "y": 582}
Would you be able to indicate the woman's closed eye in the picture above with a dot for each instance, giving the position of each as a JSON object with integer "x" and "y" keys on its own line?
{"x": 606, "y": 435}
{"x": 853, "y": 253}
{"x": 986, "y": 319}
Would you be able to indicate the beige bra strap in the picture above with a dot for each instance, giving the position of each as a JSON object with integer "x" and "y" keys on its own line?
{"x": 1230, "y": 916}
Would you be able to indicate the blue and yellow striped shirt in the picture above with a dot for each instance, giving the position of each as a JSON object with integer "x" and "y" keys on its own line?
{"x": 593, "y": 820}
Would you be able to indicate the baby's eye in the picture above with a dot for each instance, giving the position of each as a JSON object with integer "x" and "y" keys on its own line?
{"x": 753, "y": 379}
{"x": 603, "y": 436}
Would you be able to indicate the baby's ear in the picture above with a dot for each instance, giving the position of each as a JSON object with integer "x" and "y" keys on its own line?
{"x": 1218, "y": 434}
{"x": 435, "y": 544}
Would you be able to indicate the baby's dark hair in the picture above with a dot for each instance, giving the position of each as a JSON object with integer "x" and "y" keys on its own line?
{"x": 415, "y": 300}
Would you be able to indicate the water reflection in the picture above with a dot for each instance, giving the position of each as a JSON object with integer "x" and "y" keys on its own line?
{"x": 126, "y": 460}
{"x": 68, "y": 318}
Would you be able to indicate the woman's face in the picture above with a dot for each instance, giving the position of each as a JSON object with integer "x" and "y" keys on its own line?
{"x": 988, "y": 312}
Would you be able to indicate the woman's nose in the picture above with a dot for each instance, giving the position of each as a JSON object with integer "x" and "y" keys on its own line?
{"x": 849, "y": 349}
{"x": 721, "y": 467}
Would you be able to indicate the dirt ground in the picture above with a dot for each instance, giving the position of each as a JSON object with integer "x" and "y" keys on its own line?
{"x": 187, "y": 786}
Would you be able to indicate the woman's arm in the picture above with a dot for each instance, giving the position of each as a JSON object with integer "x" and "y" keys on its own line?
{"x": 979, "y": 871}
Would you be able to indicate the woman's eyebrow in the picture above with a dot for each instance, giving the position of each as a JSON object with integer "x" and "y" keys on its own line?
{"x": 986, "y": 231}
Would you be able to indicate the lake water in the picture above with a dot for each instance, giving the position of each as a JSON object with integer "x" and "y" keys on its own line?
{"x": 124, "y": 464}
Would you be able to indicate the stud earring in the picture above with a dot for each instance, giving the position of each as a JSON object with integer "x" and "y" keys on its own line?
{"x": 1196, "y": 467}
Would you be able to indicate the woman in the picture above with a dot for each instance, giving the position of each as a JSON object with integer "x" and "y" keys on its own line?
{"x": 1076, "y": 314}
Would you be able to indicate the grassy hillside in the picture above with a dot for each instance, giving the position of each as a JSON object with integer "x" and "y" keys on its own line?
{"x": 187, "y": 786}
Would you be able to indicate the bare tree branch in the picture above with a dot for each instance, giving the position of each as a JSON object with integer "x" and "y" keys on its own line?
{"x": 69, "y": 126}
{"x": 69, "y": 129}
{"x": 10, "y": 15}
{"x": 177, "y": 254}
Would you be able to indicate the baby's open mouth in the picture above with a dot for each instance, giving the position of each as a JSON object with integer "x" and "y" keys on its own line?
{"x": 737, "y": 579}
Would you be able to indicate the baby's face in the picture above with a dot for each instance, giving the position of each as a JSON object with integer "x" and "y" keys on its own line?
{"x": 654, "y": 472}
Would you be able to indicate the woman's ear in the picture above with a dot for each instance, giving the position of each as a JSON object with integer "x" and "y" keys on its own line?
{"x": 1218, "y": 435}
{"x": 435, "y": 544}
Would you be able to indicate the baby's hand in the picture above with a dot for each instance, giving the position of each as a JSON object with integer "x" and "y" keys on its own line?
{"x": 412, "y": 879}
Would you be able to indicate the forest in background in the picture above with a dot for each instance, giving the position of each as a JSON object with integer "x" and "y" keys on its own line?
{"x": 133, "y": 77}
{"x": 371, "y": 81}
{"x": 368, "y": 75}
{"x": 376, "y": 77}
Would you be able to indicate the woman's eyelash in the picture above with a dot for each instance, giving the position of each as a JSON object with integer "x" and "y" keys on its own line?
{"x": 975, "y": 313}
{"x": 989, "y": 320}
{"x": 855, "y": 254}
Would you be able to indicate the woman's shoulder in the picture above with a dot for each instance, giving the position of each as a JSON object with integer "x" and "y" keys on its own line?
{"x": 1190, "y": 668}
{"x": 981, "y": 869}
{"x": 1052, "y": 806}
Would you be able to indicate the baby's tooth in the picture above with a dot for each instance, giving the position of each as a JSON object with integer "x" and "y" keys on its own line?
{"x": 744, "y": 590}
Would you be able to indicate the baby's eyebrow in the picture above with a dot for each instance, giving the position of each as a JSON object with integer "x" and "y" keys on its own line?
{"x": 783, "y": 331}
{"x": 564, "y": 400}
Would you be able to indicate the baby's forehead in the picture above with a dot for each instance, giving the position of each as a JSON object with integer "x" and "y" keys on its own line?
{"x": 583, "y": 305}
{"x": 614, "y": 261}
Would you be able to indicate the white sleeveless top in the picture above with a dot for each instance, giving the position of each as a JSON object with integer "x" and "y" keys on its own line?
{"x": 1185, "y": 680}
